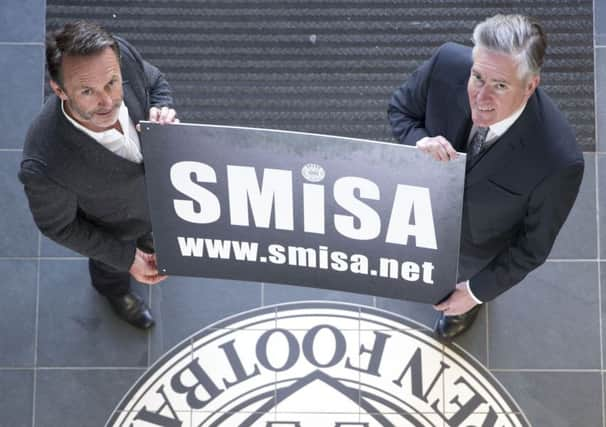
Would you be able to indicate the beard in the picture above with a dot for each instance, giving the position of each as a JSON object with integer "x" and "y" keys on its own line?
{"x": 99, "y": 117}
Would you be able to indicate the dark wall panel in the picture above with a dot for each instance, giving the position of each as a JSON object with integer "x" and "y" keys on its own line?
{"x": 326, "y": 66}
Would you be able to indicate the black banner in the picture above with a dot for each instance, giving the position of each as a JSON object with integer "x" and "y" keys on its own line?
{"x": 303, "y": 209}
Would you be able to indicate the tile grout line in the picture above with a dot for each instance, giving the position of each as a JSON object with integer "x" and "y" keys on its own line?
{"x": 37, "y": 310}
{"x": 36, "y": 327}
{"x": 21, "y": 44}
{"x": 600, "y": 296}
{"x": 547, "y": 370}
{"x": 487, "y": 339}
{"x": 597, "y": 208}
{"x": 359, "y": 346}
{"x": 149, "y": 333}
{"x": 42, "y": 258}
{"x": 92, "y": 368}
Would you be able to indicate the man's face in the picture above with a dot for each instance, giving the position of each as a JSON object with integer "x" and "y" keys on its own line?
{"x": 495, "y": 89}
{"x": 92, "y": 89}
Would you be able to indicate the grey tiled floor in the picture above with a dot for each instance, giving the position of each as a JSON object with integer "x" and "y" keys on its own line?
{"x": 64, "y": 355}
{"x": 543, "y": 339}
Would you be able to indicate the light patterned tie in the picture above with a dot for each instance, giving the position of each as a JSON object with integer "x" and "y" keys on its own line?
{"x": 478, "y": 142}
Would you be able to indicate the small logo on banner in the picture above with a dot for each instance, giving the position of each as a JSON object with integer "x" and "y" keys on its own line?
{"x": 313, "y": 172}
{"x": 313, "y": 364}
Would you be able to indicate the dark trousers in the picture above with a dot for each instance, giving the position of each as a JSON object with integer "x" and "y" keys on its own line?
{"x": 107, "y": 280}
{"x": 110, "y": 282}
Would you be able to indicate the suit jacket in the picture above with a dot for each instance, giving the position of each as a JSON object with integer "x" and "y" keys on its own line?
{"x": 518, "y": 195}
{"x": 82, "y": 195}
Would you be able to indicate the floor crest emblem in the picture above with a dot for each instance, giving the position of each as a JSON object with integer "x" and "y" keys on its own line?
{"x": 314, "y": 364}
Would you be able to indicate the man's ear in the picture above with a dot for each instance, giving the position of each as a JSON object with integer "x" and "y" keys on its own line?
{"x": 57, "y": 90}
{"x": 532, "y": 84}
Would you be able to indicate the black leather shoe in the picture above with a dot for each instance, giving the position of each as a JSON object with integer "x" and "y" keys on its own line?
{"x": 448, "y": 327}
{"x": 132, "y": 308}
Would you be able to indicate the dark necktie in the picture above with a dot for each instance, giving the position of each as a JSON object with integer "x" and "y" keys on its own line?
{"x": 478, "y": 142}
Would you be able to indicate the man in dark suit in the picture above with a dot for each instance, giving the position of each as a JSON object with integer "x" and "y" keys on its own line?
{"x": 524, "y": 167}
{"x": 82, "y": 165}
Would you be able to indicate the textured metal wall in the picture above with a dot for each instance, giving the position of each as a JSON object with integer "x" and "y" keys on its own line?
{"x": 326, "y": 66}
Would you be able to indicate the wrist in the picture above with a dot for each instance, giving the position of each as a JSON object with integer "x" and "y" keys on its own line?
{"x": 468, "y": 287}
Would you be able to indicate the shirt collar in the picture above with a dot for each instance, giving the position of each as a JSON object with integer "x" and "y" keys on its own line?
{"x": 498, "y": 129}
{"x": 106, "y": 135}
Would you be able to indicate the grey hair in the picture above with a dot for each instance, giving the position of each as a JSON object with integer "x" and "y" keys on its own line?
{"x": 515, "y": 35}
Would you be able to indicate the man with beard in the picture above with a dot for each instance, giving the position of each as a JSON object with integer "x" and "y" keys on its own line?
{"x": 82, "y": 165}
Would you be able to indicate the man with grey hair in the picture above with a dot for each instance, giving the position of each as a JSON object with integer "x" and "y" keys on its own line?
{"x": 523, "y": 167}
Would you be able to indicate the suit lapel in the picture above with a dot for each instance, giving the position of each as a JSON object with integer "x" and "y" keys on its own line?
{"x": 135, "y": 110}
{"x": 509, "y": 147}
{"x": 459, "y": 124}
{"x": 502, "y": 154}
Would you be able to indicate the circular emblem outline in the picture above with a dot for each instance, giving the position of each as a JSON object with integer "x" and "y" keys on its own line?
{"x": 372, "y": 320}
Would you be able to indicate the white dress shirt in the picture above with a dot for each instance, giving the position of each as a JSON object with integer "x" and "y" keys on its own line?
{"x": 498, "y": 129}
{"x": 495, "y": 131}
{"x": 125, "y": 145}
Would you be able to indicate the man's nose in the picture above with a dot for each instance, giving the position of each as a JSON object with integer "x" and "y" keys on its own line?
{"x": 483, "y": 93}
{"x": 105, "y": 99}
